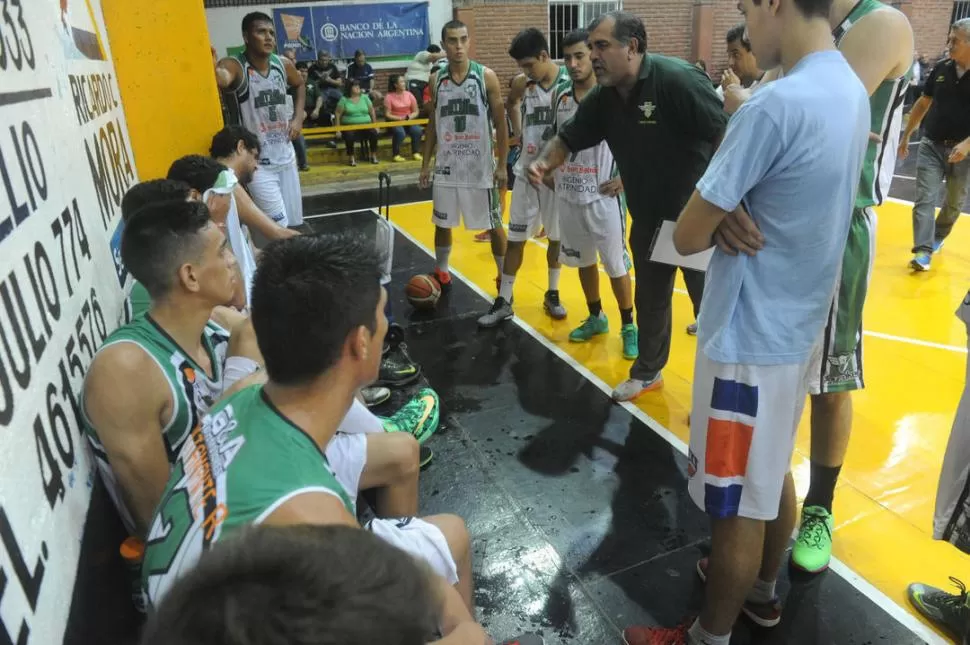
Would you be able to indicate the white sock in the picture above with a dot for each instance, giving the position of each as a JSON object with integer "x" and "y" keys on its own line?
{"x": 505, "y": 291}
{"x": 499, "y": 262}
{"x": 554, "y": 279}
{"x": 441, "y": 254}
{"x": 762, "y": 592}
{"x": 697, "y": 635}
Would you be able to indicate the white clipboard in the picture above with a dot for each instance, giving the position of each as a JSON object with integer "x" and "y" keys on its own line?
{"x": 662, "y": 250}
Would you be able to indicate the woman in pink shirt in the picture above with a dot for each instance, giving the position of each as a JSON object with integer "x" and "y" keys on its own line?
{"x": 400, "y": 105}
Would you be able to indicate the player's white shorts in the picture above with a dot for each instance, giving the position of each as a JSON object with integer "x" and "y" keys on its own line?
{"x": 533, "y": 207}
{"x": 478, "y": 207}
{"x": 236, "y": 369}
{"x": 742, "y": 434}
{"x": 421, "y": 539}
{"x": 347, "y": 454}
{"x": 590, "y": 229}
{"x": 276, "y": 190}
{"x": 360, "y": 420}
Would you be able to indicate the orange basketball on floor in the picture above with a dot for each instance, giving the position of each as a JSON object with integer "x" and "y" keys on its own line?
{"x": 423, "y": 291}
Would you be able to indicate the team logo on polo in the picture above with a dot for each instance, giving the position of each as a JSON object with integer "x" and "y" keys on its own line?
{"x": 647, "y": 108}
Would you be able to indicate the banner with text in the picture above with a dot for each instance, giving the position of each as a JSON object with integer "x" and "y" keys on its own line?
{"x": 380, "y": 29}
{"x": 65, "y": 162}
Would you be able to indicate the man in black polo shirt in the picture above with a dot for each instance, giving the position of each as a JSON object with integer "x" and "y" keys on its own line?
{"x": 662, "y": 121}
{"x": 944, "y": 148}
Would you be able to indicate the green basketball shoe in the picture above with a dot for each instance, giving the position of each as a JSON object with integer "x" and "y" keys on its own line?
{"x": 419, "y": 417}
{"x": 631, "y": 342}
{"x": 592, "y": 326}
{"x": 813, "y": 547}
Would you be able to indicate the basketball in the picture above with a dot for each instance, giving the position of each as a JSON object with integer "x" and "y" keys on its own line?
{"x": 423, "y": 291}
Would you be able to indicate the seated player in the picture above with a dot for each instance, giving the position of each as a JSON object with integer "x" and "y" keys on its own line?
{"x": 304, "y": 584}
{"x": 238, "y": 149}
{"x": 591, "y": 208}
{"x": 171, "y": 360}
{"x": 258, "y": 457}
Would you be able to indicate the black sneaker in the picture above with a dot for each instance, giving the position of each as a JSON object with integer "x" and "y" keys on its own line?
{"x": 397, "y": 368}
{"x": 949, "y": 611}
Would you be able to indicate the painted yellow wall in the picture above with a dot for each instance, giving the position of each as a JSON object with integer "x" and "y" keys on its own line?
{"x": 164, "y": 66}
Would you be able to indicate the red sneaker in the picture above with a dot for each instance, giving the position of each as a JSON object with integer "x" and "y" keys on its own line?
{"x": 657, "y": 635}
{"x": 443, "y": 278}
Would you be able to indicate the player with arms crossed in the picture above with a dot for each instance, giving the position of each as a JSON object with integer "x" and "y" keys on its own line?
{"x": 530, "y": 111}
{"x": 590, "y": 208}
{"x": 260, "y": 80}
{"x": 837, "y": 369}
{"x": 466, "y": 104}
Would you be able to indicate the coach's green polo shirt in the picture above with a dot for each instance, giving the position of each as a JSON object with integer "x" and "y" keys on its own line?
{"x": 662, "y": 137}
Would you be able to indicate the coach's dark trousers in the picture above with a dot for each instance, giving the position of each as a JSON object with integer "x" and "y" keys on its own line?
{"x": 654, "y": 289}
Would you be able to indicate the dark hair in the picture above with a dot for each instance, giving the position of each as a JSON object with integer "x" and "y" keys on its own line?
{"x": 392, "y": 82}
{"x": 359, "y": 52}
{"x": 528, "y": 43}
{"x": 151, "y": 191}
{"x": 299, "y": 585}
{"x": 452, "y": 24}
{"x": 810, "y": 8}
{"x": 159, "y": 238}
{"x": 626, "y": 26}
{"x": 326, "y": 286}
{"x": 736, "y": 34}
{"x": 434, "y": 49}
{"x": 575, "y": 37}
{"x": 252, "y": 18}
{"x": 197, "y": 171}
{"x": 349, "y": 85}
{"x": 226, "y": 140}
{"x": 303, "y": 65}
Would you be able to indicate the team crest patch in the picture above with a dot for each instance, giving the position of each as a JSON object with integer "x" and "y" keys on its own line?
{"x": 471, "y": 91}
{"x": 647, "y": 108}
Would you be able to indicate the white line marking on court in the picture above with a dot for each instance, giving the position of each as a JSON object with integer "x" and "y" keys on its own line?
{"x": 358, "y": 210}
{"x": 877, "y": 597}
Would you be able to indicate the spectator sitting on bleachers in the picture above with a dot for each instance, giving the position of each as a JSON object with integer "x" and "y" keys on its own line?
{"x": 360, "y": 70}
{"x": 272, "y": 468}
{"x": 355, "y": 108}
{"x": 314, "y": 98}
{"x": 419, "y": 71}
{"x": 400, "y": 105}
{"x": 329, "y": 81}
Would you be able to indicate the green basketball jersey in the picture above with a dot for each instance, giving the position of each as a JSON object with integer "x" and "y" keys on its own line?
{"x": 245, "y": 461}
{"x": 463, "y": 125}
{"x": 886, "y": 106}
{"x": 537, "y": 118}
{"x": 193, "y": 391}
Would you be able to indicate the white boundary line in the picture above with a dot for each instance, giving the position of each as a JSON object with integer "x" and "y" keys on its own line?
{"x": 877, "y": 597}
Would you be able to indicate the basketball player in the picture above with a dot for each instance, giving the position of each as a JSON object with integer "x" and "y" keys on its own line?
{"x": 791, "y": 157}
{"x": 592, "y": 215}
{"x": 260, "y": 80}
{"x": 259, "y": 458}
{"x": 466, "y": 105}
{"x": 885, "y": 73}
{"x": 171, "y": 361}
{"x": 529, "y": 107}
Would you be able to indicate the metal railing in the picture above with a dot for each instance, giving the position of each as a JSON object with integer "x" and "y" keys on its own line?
{"x": 319, "y": 133}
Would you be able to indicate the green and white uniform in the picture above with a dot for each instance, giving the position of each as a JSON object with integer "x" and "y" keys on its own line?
{"x": 193, "y": 391}
{"x": 464, "y": 167}
{"x": 534, "y": 207}
{"x": 838, "y": 361}
{"x": 590, "y": 222}
{"x": 263, "y": 109}
{"x": 243, "y": 463}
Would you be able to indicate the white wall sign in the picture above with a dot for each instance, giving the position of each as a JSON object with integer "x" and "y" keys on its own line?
{"x": 65, "y": 163}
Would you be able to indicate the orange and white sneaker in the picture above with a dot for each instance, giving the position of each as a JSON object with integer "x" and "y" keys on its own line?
{"x": 482, "y": 237}
{"x": 631, "y": 388}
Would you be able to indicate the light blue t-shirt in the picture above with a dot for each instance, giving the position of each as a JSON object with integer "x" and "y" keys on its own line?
{"x": 792, "y": 155}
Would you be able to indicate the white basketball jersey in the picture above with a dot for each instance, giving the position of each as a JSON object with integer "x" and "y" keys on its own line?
{"x": 579, "y": 178}
{"x": 240, "y": 247}
{"x": 264, "y": 111}
{"x": 463, "y": 125}
{"x": 537, "y": 119}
